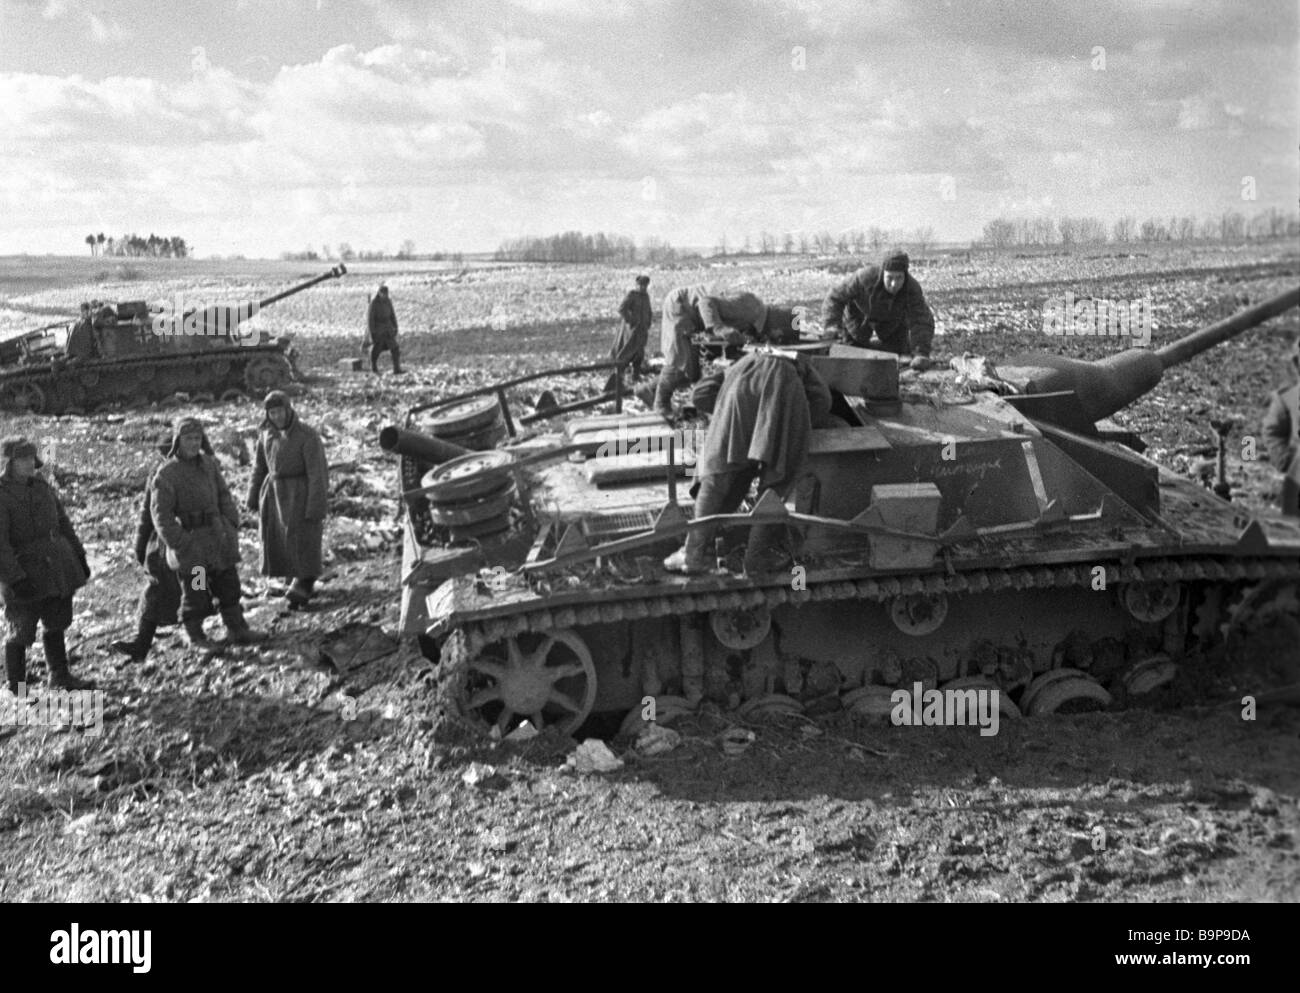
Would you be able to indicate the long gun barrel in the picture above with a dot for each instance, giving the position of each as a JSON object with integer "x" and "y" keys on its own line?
{"x": 335, "y": 273}
{"x": 221, "y": 320}
{"x": 1101, "y": 388}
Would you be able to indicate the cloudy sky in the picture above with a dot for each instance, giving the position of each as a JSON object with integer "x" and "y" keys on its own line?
{"x": 258, "y": 126}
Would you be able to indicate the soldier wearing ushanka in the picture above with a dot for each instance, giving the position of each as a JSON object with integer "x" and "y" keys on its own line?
{"x": 42, "y": 564}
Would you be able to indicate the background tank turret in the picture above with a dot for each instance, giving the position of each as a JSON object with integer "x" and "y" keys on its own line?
{"x": 143, "y": 354}
{"x": 943, "y": 538}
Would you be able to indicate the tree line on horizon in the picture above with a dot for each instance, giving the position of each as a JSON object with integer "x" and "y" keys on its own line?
{"x": 1005, "y": 232}
{"x": 136, "y": 246}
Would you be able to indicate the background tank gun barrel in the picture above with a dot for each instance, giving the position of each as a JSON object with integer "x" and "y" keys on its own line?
{"x": 335, "y": 273}
{"x": 221, "y": 320}
{"x": 1108, "y": 385}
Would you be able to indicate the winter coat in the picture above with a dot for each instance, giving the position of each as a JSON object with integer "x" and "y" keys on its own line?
{"x": 630, "y": 344}
{"x": 289, "y": 493}
{"x": 764, "y": 414}
{"x": 861, "y": 305}
{"x": 681, "y": 319}
{"x": 194, "y": 514}
{"x": 1282, "y": 435}
{"x": 381, "y": 319}
{"x": 39, "y": 550}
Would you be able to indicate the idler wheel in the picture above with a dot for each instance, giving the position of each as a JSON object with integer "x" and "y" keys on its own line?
{"x": 743, "y": 628}
{"x": 919, "y": 613}
{"x": 1150, "y": 602}
{"x": 24, "y": 398}
{"x": 547, "y": 678}
{"x": 464, "y": 514}
{"x": 1057, "y": 687}
{"x": 266, "y": 373}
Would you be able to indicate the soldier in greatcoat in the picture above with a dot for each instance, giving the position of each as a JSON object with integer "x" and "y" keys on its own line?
{"x": 289, "y": 492}
{"x": 198, "y": 523}
{"x": 761, "y": 429}
{"x": 629, "y": 345}
{"x": 1282, "y": 435}
{"x": 42, "y": 564}
{"x": 381, "y": 331}
{"x": 160, "y": 600}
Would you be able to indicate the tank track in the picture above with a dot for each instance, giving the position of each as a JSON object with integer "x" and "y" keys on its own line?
{"x": 480, "y": 633}
{"x": 153, "y": 377}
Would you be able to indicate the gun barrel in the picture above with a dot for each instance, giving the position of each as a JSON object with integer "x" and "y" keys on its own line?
{"x": 335, "y": 273}
{"x": 1198, "y": 341}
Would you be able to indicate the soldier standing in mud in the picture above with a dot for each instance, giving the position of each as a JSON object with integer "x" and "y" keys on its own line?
{"x": 885, "y": 301}
{"x": 42, "y": 564}
{"x": 1282, "y": 434}
{"x": 198, "y": 523}
{"x": 381, "y": 331}
{"x": 160, "y": 601}
{"x": 289, "y": 491}
{"x": 629, "y": 345}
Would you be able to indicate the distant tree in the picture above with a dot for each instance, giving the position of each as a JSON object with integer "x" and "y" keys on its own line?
{"x": 787, "y": 244}
{"x": 345, "y": 252}
{"x": 923, "y": 238}
{"x": 877, "y": 238}
{"x": 803, "y": 243}
{"x": 999, "y": 233}
{"x": 407, "y": 250}
{"x": 858, "y": 240}
{"x": 1122, "y": 230}
{"x": 90, "y": 240}
{"x": 766, "y": 243}
{"x": 1232, "y": 226}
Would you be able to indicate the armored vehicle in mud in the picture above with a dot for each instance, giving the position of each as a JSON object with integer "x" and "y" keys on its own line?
{"x": 140, "y": 354}
{"x": 951, "y": 536}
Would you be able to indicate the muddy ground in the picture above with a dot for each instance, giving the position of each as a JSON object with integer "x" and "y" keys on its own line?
{"x": 298, "y": 770}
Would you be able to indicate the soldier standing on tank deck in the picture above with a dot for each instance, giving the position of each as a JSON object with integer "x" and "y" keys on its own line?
{"x": 288, "y": 492}
{"x": 761, "y": 429}
{"x": 81, "y": 339}
{"x": 199, "y": 525}
{"x": 381, "y": 331}
{"x": 886, "y": 301}
{"x": 42, "y": 564}
{"x": 629, "y": 345}
{"x": 1282, "y": 434}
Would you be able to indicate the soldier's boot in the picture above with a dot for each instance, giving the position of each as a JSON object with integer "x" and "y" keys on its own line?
{"x": 15, "y": 665}
{"x": 56, "y": 657}
{"x": 301, "y": 592}
{"x": 138, "y": 650}
{"x": 195, "y": 636}
{"x": 397, "y": 360}
{"x": 237, "y": 630}
{"x": 692, "y": 557}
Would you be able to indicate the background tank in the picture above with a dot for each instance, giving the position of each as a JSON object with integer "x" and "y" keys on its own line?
{"x": 143, "y": 356}
{"x": 949, "y": 539}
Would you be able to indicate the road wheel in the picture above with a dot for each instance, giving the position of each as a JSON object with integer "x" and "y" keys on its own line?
{"x": 23, "y": 398}
{"x": 266, "y": 373}
{"x": 547, "y": 678}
